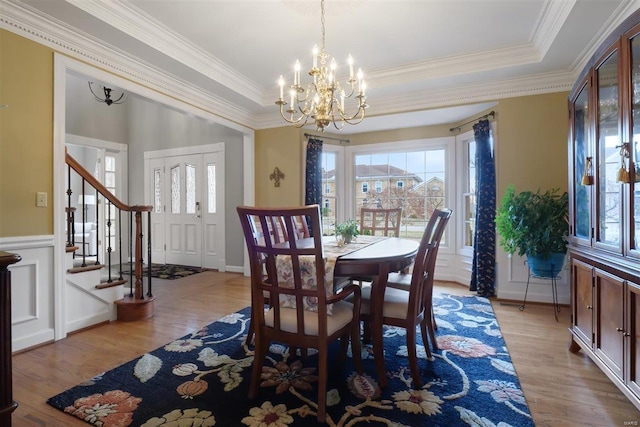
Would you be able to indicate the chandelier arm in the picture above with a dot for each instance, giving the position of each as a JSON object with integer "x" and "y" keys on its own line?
{"x": 117, "y": 101}
{"x": 289, "y": 120}
{"x": 94, "y": 94}
{"x": 351, "y": 121}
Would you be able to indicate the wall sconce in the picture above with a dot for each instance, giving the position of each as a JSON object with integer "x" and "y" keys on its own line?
{"x": 107, "y": 95}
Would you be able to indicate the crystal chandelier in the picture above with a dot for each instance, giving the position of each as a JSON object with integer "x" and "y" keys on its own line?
{"x": 323, "y": 99}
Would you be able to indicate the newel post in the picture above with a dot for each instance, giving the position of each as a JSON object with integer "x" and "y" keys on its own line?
{"x": 7, "y": 404}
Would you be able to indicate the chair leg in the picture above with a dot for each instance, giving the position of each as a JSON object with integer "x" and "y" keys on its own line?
{"x": 413, "y": 358}
{"x": 356, "y": 347}
{"x": 425, "y": 340}
{"x": 250, "y": 332}
{"x": 322, "y": 383}
{"x": 259, "y": 354}
{"x": 432, "y": 327}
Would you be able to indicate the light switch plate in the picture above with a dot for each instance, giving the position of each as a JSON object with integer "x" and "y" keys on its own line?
{"x": 41, "y": 199}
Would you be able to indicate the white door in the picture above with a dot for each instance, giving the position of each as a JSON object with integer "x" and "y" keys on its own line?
{"x": 186, "y": 191}
{"x": 183, "y": 215}
{"x": 212, "y": 216}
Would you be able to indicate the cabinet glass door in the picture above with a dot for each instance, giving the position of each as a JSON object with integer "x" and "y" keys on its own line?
{"x": 581, "y": 170}
{"x": 635, "y": 149}
{"x": 608, "y": 141}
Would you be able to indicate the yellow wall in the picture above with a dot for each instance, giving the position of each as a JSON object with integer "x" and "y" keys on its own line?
{"x": 26, "y": 136}
{"x": 532, "y": 143}
{"x": 281, "y": 148}
{"x": 531, "y": 149}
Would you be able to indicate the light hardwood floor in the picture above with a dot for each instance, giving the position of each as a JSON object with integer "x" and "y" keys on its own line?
{"x": 561, "y": 388}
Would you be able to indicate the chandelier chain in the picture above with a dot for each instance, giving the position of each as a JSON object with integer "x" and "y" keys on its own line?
{"x": 322, "y": 22}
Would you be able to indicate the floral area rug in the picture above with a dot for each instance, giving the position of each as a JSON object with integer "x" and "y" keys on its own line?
{"x": 202, "y": 379}
{"x": 169, "y": 271}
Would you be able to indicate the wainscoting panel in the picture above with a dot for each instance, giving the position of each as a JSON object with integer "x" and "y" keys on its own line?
{"x": 32, "y": 290}
{"x": 512, "y": 273}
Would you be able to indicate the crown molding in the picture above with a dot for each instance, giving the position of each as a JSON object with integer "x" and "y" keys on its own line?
{"x": 624, "y": 10}
{"x": 29, "y": 23}
{"x": 132, "y": 21}
{"x": 459, "y": 95}
{"x": 553, "y": 16}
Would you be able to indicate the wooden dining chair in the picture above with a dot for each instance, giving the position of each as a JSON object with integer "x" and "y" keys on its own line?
{"x": 380, "y": 222}
{"x": 408, "y": 297}
{"x": 309, "y": 314}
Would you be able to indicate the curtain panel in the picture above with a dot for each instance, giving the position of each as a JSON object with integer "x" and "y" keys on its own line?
{"x": 313, "y": 174}
{"x": 484, "y": 242}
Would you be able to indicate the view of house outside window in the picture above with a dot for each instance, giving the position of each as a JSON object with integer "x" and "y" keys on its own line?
{"x": 413, "y": 180}
{"x": 469, "y": 193}
{"x": 330, "y": 197}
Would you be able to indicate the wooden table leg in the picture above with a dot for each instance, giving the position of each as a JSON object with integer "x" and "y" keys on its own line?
{"x": 377, "y": 302}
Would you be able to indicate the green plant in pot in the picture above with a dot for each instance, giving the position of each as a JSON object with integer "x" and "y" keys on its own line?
{"x": 535, "y": 225}
{"x": 347, "y": 230}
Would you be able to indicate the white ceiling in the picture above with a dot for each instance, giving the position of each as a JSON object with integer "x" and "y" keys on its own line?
{"x": 417, "y": 56}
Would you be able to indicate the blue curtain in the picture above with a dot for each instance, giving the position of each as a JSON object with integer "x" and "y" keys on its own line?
{"x": 313, "y": 179}
{"x": 483, "y": 273}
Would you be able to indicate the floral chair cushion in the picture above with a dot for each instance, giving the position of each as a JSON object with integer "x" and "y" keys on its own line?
{"x": 284, "y": 266}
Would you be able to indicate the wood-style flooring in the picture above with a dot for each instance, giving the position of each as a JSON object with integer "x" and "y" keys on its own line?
{"x": 561, "y": 388}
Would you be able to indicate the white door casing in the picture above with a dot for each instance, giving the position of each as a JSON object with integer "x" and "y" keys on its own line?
{"x": 186, "y": 189}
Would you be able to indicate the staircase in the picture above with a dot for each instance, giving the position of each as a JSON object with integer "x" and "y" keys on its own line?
{"x": 95, "y": 291}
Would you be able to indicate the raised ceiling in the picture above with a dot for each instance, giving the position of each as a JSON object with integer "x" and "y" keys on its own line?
{"x": 416, "y": 55}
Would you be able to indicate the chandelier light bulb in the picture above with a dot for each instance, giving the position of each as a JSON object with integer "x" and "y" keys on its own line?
{"x": 323, "y": 99}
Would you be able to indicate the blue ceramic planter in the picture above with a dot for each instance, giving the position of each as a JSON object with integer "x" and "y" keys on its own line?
{"x": 546, "y": 267}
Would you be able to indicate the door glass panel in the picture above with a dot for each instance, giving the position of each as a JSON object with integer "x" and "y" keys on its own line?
{"x": 175, "y": 189}
{"x": 609, "y": 193}
{"x": 190, "y": 172}
{"x": 211, "y": 188}
{"x": 635, "y": 110}
{"x": 581, "y": 121}
{"x": 157, "y": 190}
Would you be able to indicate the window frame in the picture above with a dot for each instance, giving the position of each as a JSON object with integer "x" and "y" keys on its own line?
{"x": 447, "y": 144}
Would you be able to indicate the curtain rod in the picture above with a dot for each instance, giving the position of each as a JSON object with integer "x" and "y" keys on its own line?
{"x": 326, "y": 137}
{"x": 492, "y": 113}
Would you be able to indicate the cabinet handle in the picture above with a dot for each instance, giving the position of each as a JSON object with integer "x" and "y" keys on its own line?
{"x": 627, "y": 334}
{"x": 589, "y": 307}
{"x": 619, "y": 329}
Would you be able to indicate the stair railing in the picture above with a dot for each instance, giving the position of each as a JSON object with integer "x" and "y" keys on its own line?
{"x": 129, "y": 308}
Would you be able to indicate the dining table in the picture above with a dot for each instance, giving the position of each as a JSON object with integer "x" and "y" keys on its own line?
{"x": 375, "y": 257}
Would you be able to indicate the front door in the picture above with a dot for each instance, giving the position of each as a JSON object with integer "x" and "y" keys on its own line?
{"x": 187, "y": 195}
{"x": 183, "y": 215}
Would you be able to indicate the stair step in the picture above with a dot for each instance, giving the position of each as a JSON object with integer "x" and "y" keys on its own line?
{"x": 85, "y": 268}
{"x": 72, "y": 248}
{"x": 105, "y": 285}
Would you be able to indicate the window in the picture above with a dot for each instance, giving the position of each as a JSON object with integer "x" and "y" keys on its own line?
{"x": 469, "y": 192}
{"x": 330, "y": 204}
{"x": 413, "y": 177}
